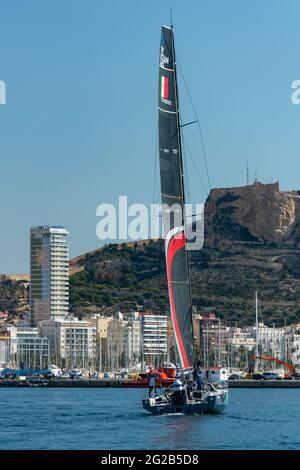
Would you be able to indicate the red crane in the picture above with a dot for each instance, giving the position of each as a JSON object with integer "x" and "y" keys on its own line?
{"x": 287, "y": 365}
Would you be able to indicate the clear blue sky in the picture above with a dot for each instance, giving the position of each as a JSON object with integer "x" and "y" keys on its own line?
{"x": 79, "y": 126}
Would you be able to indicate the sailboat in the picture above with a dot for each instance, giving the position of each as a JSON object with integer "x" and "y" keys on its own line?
{"x": 182, "y": 396}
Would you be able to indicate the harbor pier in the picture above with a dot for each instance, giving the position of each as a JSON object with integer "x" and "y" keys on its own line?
{"x": 115, "y": 383}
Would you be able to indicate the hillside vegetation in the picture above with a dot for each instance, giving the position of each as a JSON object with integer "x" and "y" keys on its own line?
{"x": 252, "y": 242}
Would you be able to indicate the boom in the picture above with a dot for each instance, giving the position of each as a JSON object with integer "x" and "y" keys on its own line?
{"x": 287, "y": 365}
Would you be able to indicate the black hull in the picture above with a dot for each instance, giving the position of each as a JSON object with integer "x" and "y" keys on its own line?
{"x": 213, "y": 404}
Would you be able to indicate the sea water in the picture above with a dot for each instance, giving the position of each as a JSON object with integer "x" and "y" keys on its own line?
{"x": 112, "y": 418}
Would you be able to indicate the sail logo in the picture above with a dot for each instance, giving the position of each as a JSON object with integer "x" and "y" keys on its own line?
{"x": 2, "y": 92}
{"x": 164, "y": 60}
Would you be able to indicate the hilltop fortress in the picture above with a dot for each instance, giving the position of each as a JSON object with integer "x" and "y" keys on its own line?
{"x": 253, "y": 213}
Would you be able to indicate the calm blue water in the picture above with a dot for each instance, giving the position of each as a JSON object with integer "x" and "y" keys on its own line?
{"x": 114, "y": 419}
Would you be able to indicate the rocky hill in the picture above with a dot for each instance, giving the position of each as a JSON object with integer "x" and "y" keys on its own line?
{"x": 14, "y": 295}
{"x": 252, "y": 242}
{"x": 256, "y": 213}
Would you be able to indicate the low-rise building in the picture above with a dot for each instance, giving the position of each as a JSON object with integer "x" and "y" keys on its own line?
{"x": 115, "y": 343}
{"x": 5, "y": 347}
{"x": 271, "y": 341}
{"x": 123, "y": 341}
{"x": 210, "y": 337}
{"x": 101, "y": 323}
{"x": 72, "y": 342}
{"x": 242, "y": 339}
{"x": 132, "y": 343}
{"x": 28, "y": 350}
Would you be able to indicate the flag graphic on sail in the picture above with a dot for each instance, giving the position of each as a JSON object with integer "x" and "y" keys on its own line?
{"x": 164, "y": 87}
{"x": 172, "y": 193}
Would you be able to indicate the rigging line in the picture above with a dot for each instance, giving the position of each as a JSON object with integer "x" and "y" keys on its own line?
{"x": 155, "y": 197}
{"x": 155, "y": 164}
{"x": 195, "y": 166}
{"x": 198, "y": 122}
{"x": 186, "y": 169}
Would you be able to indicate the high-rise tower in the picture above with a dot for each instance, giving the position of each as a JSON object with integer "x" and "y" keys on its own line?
{"x": 49, "y": 269}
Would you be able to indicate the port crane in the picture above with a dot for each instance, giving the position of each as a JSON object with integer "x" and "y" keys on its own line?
{"x": 287, "y": 365}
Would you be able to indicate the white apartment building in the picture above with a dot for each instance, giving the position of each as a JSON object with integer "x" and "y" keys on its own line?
{"x": 123, "y": 341}
{"x": 132, "y": 343}
{"x": 271, "y": 341}
{"x": 5, "y": 348}
{"x": 49, "y": 270}
{"x": 292, "y": 349}
{"x": 28, "y": 350}
{"x": 242, "y": 339}
{"x": 101, "y": 323}
{"x": 154, "y": 336}
{"x": 295, "y": 349}
{"x": 72, "y": 342}
{"x": 115, "y": 345}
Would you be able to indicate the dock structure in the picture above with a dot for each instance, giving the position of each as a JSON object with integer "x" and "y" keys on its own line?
{"x": 115, "y": 383}
{"x": 61, "y": 383}
{"x": 264, "y": 383}
{"x": 86, "y": 383}
{"x": 231, "y": 383}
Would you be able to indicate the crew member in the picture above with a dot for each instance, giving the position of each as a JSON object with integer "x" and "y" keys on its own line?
{"x": 151, "y": 384}
{"x": 199, "y": 381}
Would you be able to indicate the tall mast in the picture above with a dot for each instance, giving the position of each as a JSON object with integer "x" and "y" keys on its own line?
{"x": 256, "y": 326}
{"x": 173, "y": 200}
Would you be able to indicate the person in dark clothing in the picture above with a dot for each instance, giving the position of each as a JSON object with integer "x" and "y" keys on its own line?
{"x": 151, "y": 384}
{"x": 199, "y": 382}
{"x": 189, "y": 389}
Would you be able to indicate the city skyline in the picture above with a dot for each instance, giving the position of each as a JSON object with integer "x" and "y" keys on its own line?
{"x": 63, "y": 151}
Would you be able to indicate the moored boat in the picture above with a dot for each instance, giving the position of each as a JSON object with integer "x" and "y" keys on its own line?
{"x": 164, "y": 377}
